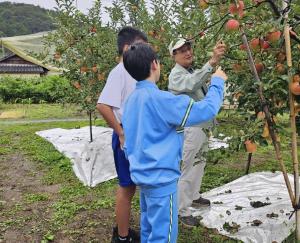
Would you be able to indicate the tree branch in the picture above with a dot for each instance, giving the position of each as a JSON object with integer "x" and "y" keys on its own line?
{"x": 274, "y": 8}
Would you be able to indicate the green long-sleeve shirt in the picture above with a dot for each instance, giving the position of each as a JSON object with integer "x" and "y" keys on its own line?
{"x": 193, "y": 84}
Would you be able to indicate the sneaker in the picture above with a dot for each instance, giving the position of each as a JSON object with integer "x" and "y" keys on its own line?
{"x": 201, "y": 202}
{"x": 114, "y": 238}
{"x": 133, "y": 236}
{"x": 127, "y": 240}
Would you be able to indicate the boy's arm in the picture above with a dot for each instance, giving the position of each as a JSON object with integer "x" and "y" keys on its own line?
{"x": 110, "y": 97}
{"x": 182, "y": 111}
{"x": 208, "y": 108}
{"x": 109, "y": 116}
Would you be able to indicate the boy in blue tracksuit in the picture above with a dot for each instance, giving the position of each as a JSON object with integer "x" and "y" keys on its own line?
{"x": 153, "y": 122}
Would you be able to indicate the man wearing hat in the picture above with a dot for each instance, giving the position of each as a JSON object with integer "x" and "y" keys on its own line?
{"x": 183, "y": 79}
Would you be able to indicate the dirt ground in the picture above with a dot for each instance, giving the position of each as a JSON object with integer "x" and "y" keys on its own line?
{"x": 23, "y": 221}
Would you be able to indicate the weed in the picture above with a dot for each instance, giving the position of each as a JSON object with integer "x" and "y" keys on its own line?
{"x": 31, "y": 198}
{"x": 103, "y": 203}
{"x": 47, "y": 237}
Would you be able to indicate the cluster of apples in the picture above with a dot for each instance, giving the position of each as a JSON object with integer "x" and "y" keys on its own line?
{"x": 236, "y": 10}
{"x": 256, "y": 44}
{"x": 262, "y": 44}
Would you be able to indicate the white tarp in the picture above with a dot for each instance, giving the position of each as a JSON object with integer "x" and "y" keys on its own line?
{"x": 216, "y": 143}
{"x": 93, "y": 163}
{"x": 265, "y": 187}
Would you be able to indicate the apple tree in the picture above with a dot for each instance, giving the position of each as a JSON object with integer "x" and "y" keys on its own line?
{"x": 85, "y": 50}
{"x": 262, "y": 22}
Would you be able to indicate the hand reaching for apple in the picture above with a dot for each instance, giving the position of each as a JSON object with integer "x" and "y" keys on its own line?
{"x": 218, "y": 53}
{"x": 220, "y": 73}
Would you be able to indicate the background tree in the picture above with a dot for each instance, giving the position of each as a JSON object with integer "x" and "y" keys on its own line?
{"x": 22, "y": 19}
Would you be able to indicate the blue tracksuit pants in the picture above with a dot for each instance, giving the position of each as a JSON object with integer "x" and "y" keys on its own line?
{"x": 159, "y": 218}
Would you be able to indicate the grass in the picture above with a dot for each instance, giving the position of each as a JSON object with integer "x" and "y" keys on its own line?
{"x": 74, "y": 201}
{"x": 38, "y": 197}
{"x": 39, "y": 111}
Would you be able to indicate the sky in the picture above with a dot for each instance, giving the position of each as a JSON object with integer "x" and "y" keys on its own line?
{"x": 83, "y": 5}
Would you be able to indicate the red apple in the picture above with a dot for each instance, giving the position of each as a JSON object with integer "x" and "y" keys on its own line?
{"x": 233, "y": 8}
{"x": 84, "y": 69}
{"x": 261, "y": 115}
{"x": 241, "y": 13}
{"x": 201, "y": 34}
{"x": 95, "y": 69}
{"x": 296, "y": 78}
{"x": 280, "y": 68}
{"x": 237, "y": 67}
{"x": 243, "y": 47}
{"x": 77, "y": 85}
{"x": 295, "y": 88}
{"x": 264, "y": 44}
{"x": 93, "y": 29}
{"x": 241, "y": 9}
{"x": 273, "y": 36}
{"x": 232, "y": 25}
{"x": 250, "y": 146}
{"x": 259, "y": 67}
{"x": 281, "y": 57}
{"x": 237, "y": 9}
{"x": 254, "y": 44}
{"x": 241, "y": 5}
{"x": 237, "y": 95}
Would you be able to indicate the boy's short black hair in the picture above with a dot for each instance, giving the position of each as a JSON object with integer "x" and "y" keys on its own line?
{"x": 128, "y": 35}
{"x": 137, "y": 60}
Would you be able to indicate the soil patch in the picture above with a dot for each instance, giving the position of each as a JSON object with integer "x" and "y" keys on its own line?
{"x": 26, "y": 208}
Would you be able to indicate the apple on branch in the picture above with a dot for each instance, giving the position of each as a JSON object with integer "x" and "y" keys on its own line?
{"x": 232, "y": 25}
{"x": 273, "y": 36}
{"x": 237, "y": 9}
{"x": 259, "y": 67}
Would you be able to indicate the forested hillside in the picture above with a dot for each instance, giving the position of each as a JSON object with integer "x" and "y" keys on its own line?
{"x": 21, "y": 19}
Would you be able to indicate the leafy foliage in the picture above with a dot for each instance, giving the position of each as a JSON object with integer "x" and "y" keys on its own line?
{"x": 79, "y": 45}
{"x": 35, "y": 90}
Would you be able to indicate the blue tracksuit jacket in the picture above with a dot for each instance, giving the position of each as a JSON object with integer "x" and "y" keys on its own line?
{"x": 153, "y": 122}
